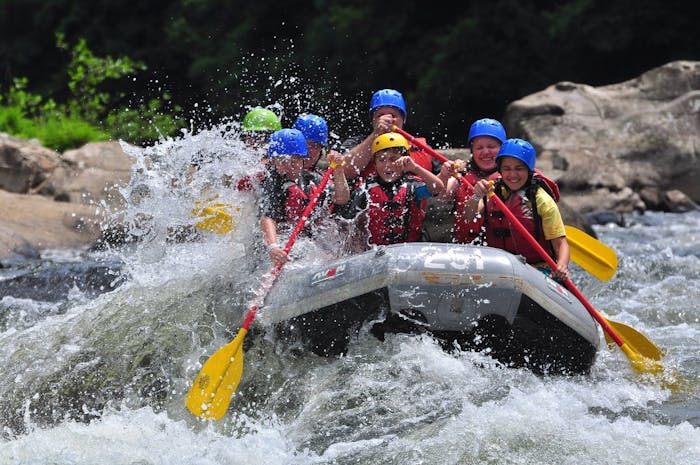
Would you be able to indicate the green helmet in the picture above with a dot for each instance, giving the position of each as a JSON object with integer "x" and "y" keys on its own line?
{"x": 261, "y": 119}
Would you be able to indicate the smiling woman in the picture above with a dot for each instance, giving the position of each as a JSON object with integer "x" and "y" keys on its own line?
{"x": 529, "y": 200}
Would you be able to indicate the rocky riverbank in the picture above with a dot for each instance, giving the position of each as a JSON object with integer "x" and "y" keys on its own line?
{"x": 50, "y": 200}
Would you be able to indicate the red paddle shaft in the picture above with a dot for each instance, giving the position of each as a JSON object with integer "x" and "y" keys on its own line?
{"x": 270, "y": 278}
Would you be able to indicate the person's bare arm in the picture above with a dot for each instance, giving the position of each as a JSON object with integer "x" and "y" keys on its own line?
{"x": 434, "y": 184}
{"x": 475, "y": 204}
{"x": 275, "y": 250}
{"x": 341, "y": 190}
{"x": 361, "y": 154}
{"x": 561, "y": 250}
{"x": 448, "y": 175}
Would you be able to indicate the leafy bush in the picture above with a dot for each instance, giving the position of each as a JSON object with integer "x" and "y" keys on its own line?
{"x": 61, "y": 133}
{"x": 86, "y": 73}
{"x": 27, "y": 116}
{"x": 146, "y": 124}
{"x": 13, "y": 121}
{"x": 87, "y": 115}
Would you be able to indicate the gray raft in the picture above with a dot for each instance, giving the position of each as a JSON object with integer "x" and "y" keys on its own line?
{"x": 472, "y": 297}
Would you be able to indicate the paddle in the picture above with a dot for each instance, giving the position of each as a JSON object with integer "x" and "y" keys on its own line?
{"x": 211, "y": 392}
{"x": 591, "y": 254}
{"x": 641, "y": 352}
{"x": 643, "y": 356}
{"x": 601, "y": 261}
{"x": 216, "y": 217}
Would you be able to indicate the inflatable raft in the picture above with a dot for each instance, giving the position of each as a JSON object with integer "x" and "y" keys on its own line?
{"x": 477, "y": 298}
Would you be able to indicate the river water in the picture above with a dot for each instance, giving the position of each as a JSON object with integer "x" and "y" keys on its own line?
{"x": 99, "y": 348}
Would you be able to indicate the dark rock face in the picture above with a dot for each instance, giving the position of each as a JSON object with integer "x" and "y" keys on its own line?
{"x": 47, "y": 281}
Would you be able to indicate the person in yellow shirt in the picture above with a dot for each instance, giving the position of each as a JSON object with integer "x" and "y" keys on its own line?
{"x": 527, "y": 197}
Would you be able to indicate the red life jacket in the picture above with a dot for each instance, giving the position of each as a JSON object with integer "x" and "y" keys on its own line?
{"x": 247, "y": 183}
{"x": 553, "y": 187}
{"x": 296, "y": 202}
{"x": 298, "y": 197}
{"x": 396, "y": 219}
{"x": 500, "y": 234}
{"x": 466, "y": 231}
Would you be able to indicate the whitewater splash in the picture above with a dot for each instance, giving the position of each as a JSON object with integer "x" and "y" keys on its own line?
{"x": 180, "y": 292}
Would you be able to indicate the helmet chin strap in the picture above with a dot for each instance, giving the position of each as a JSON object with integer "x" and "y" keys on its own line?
{"x": 321, "y": 154}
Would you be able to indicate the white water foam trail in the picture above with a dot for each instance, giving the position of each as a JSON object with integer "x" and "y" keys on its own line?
{"x": 404, "y": 401}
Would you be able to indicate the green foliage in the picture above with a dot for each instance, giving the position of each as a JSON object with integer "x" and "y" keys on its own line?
{"x": 13, "y": 121}
{"x": 52, "y": 130}
{"x": 86, "y": 73}
{"x": 28, "y": 116}
{"x": 25, "y": 102}
{"x": 145, "y": 124}
{"x": 61, "y": 133}
{"x": 86, "y": 116}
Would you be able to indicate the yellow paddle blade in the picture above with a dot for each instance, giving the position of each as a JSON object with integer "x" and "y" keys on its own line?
{"x": 643, "y": 355}
{"x": 647, "y": 366}
{"x": 591, "y": 254}
{"x": 637, "y": 341}
{"x": 211, "y": 391}
{"x": 217, "y": 217}
{"x": 640, "y": 363}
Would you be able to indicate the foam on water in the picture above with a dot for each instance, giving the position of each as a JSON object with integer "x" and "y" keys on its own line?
{"x": 399, "y": 402}
{"x": 144, "y": 437}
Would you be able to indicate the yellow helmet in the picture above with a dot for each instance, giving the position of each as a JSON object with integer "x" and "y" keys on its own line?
{"x": 389, "y": 140}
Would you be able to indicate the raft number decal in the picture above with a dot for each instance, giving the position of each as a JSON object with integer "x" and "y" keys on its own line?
{"x": 454, "y": 260}
{"x": 327, "y": 274}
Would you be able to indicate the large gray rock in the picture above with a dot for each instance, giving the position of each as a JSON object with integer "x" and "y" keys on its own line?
{"x": 32, "y": 223}
{"x": 620, "y": 147}
{"x": 90, "y": 175}
{"x": 24, "y": 165}
{"x": 57, "y": 201}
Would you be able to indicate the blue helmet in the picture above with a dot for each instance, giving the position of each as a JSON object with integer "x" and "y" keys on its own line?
{"x": 487, "y": 127}
{"x": 313, "y": 127}
{"x": 387, "y": 98}
{"x": 287, "y": 143}
{"x": 520, "y": 149}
